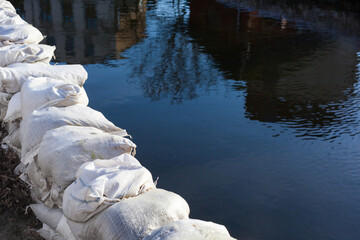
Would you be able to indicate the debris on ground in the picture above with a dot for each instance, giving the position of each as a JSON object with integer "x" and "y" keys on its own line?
{"x": 14, "y": 198}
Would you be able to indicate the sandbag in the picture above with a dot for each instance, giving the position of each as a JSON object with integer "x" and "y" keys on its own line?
{"x": 19, "y": 34}
{"x": 13, "y": 76}
{"x": 6, "y": 6}
{"x": 4, "y": 102}
{"x": 14, "y": 108}
{"x": 133, "y": 218}
{"x": 63, "y": 150}
{"x": 10, "y": 18}
{"x": 55, "y": 225}
{"x": 44, "y": 92}
{"x": 13, "y": 137}
{"x": 34, "y": 126}
{"x": 49, "y": 216}
{"x": 4, "y": 99}
{"x": 190, "y": 229}
{"x": 25, "y": 53}
{"x": 101, "y": 183}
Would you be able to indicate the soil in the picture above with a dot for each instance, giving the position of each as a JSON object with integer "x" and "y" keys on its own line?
{"x": 14, "y": 198}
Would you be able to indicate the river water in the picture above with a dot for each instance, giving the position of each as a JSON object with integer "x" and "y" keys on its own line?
{"x": 249, "y": 109}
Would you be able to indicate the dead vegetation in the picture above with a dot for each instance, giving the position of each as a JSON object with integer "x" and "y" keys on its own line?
{"x": 14, "y": 198}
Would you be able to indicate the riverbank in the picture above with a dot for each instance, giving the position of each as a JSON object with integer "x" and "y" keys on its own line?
{"x": 14, "y": 198}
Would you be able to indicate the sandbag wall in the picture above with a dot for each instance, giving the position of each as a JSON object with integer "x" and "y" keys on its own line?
{"x": 84, "y": 178}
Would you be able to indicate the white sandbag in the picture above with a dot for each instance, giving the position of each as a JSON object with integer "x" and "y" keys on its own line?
{"x": 190, "y": 229}
{"x": 49, "y": 216}
{"x": 55, "y": 226}
{"x": 7, "y": 6}
{"x": 19, "y": 34}
{"x": 133, "y": 218}
{"x": 44, "y": 92}
{"x": 25, "y": 53}
{"x": 48, "y": 233}
{"x": 13, "y": 76}
{"x": 101, "y": 183}
{"x": 64, "y": 229}
{"x": 10, "y": 18}
{"x": 64, "y": 149}
{"x": 34, "y": 126}
{"x": 14, "y": 108}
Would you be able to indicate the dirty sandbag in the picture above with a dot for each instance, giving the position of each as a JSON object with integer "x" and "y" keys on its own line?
{"x": 10, "y": 18}
{"x": 13, "y": 137}
{"x": 4, "y": 99}
{"x": 6, "y": 6}
{"x": 12, "y": 120}
{"x": 26, "y": 53}
{"x": 101, "y": 183}
{"x": 40, "y": 185}
{"x": 64, "y": 149}
{"x": 34, "y": 126}
{"x": 19, "y": 34}
{"x": 13, "y": 76}
{"x": 14, "y": 108}
{"x": 133, "y": 218}
{"x": 190, "y": 229}
{"x": 44, "y": 92}
{"x": 4, "y": 102}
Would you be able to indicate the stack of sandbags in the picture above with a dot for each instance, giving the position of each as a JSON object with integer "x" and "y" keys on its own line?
{"x": 80, "y": 167}
{"x": 35, "y": 126}
{"x": 101, "y": 183}
{"x": 38, "y": 93}
{"x": 63, "y": 150}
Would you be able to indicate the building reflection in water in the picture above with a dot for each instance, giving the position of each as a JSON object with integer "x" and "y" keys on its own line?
{"x": 296, "y": 63}
{"x": 292, "y": 72}
{"x": 86, "y": 31}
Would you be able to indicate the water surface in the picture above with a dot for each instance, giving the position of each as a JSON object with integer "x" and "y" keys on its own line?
{"x": 247, "y": 109}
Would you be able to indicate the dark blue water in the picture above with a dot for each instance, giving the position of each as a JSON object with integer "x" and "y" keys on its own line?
{"x": 247, "y": 109}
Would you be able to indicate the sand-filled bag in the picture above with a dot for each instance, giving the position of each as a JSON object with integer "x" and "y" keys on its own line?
{"x": 19, "y": 34}
{"x": 101, "y": 183}
{"x": 26, "y": 53}
{"x": 133, "y": 218}
{"x": 13, "y": 76}
{"x": 35, "y": 126}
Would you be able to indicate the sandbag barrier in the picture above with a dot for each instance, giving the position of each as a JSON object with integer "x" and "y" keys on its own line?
{"x": 84, "y": 178}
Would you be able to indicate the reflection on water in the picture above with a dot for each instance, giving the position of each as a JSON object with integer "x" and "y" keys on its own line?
{"x": 87, "y": 31}
{"x": 295, "y": 61}
{"x": 227, "y": 101}
{"x": 293, "y": 73}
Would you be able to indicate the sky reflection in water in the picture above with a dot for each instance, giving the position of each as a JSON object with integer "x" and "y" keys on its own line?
{"x": 248, "y": 109}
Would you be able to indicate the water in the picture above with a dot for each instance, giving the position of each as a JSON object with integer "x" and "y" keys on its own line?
{"x": 247, "y": 109}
